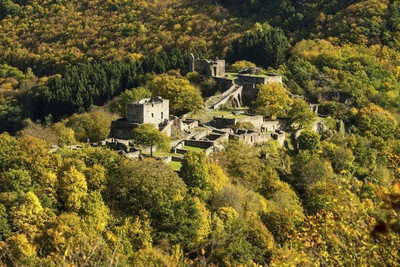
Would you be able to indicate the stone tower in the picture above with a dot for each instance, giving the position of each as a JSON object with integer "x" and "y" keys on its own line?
{"x": 149, "y": 110}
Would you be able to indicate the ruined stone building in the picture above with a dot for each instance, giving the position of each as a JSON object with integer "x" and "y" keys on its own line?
{"x": 149, "y": 110}
{"x": 207, "y": 67}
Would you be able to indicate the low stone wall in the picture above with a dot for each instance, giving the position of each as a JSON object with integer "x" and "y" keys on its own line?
{"x": 199, "y": 143}
{"x": 259, "y": 79}
{"x": 201, "y": 135}
{"x": 181, "y": 151}
{"x": 222, "y": 122}
{"x": 178, "y": 159}
{"x": 251, "y": 138}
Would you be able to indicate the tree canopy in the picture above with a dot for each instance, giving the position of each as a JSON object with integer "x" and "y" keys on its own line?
{"x": 148, "y": 135}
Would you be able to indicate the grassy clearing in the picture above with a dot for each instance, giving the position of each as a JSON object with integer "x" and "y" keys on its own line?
{"x": 175, "y": 165}
{"x": 192, "y": 148}
{"x": 205, "y": 116}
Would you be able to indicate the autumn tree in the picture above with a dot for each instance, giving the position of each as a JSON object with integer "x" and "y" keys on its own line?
{"x": 241, "y": 64}
{"x": 72, "y": 189}
{"x": 308, "y": 140}
{"x": 119, "y": 105}
{"x": 148, "y": 135}
{"x": 272, "y": 101}
{"x": 236, "y": 159}
{"x": 183, "y": 97}
{"x": 94, "y": 125}
{"x": 376, "y": 120}
{"x": 301, "y": 113}
{"x": 161, "y": 192}
{"x": 194, "y": 172}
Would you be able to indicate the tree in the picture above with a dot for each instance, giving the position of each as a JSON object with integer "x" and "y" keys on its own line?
{"x": 194, "y": 172}
{"x": 153, "y": 186}
{"x": 183, "y": 97}
{"x": 238, "y": 65}
{"x": 94, "y": 125}
{"x": 376, "y": 120}
{"x": 272, "y": 100}
{"x": 72, "y": 189}
{"x": 236, "y": 159}
{"x": 308, "y": 140}
{"x": 120, "y": 104}
{"x": 264, "y": 45}
{"x": 8, "y": 146}
{"x": 301, "y": 113}
{"x": 39, "y": 131}
{"x": 148, "y": 135}
{"x": 65, "y": 135}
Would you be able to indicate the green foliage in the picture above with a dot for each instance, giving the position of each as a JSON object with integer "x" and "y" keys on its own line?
{"x": 8, "y": 7}
{"x": 308, "y": 140}
{"x": 301, "y": 113}
{"x": 272, "y": 101}
{"x": 241, "y": 64}
{"x": 65, "y": 135}
{"x": 94, "y": 125}
{"x": 308, "y": 169}
{"x": 12, "y": 113}
{"x": 154, "y": 187}
{"x": 236, "y": 159}
{"x": 194, "y": 173}
{"x": 119, "y": 105}
{"x": 377, "y": 121}
{"x": 72, "y": 189}
{"x": 182, "y": 96}
{"x": 266, "y": 46}
{"x": 148, "y": 135}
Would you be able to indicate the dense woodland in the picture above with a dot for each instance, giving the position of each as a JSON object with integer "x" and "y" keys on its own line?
{"x": 68, "y": 68}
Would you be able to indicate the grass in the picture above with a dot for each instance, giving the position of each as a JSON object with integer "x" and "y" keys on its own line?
{"x": 231, "y": 75}
{"x": 175, "y": 165}
{"x": 208, "y": 116}
{"x": 192, "y": 148}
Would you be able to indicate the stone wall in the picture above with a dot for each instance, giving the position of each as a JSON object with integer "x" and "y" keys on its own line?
{"x": 271, "y": 126}
{"x": 166, "y": 128}
{"x": 122, "y": 129}
{"x": 224, "y": 122}
{"x": 199, "y": 143}
{"x": 259, "y": 79}
{"x": 249, "y": 93}
{"x": 251, "y": 138}
{"x": 149, "y": 110}
{"x": 210, "y": 68}
{"x": 225, "y": 83}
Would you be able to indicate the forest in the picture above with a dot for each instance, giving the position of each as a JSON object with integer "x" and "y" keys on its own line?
{"x": 69, "y": 68}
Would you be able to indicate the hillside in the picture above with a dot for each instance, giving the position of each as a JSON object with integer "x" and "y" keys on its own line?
{"x": 327, "y": 196}
{"x": 47, "y": 35}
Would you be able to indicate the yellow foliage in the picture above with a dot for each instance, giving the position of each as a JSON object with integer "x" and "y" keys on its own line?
{"x": 218, "y": 178}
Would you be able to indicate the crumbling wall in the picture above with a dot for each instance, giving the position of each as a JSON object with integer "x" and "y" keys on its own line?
{"x": 149, "y": 110}
{"x": 209, "y": 68}
{"x": 122, "y": 129}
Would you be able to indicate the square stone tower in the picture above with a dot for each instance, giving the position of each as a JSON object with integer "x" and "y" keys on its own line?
{"x": 149, "y": 110}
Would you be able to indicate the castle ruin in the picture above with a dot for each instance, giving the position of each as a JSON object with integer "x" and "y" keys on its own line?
{"x": 149, "y": 110}
{"x": 207, "y": 67}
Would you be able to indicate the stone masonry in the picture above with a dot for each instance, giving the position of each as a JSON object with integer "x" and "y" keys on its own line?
{"x": 149, "y": 110}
